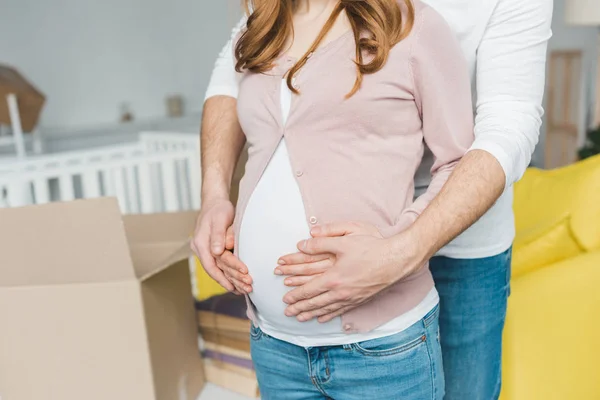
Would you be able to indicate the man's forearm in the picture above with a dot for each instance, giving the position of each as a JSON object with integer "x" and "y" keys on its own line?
{"x": 471, "y": 190}
{"x": 221, "y": 144}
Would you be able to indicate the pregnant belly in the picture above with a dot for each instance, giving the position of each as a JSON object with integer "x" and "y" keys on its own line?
{"x": 273, "y": 223}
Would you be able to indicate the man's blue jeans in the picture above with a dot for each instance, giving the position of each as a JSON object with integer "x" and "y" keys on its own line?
{"x": 473, "y": 296}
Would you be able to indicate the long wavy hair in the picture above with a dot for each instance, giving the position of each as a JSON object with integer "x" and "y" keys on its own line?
{"x": 378, "y": 25}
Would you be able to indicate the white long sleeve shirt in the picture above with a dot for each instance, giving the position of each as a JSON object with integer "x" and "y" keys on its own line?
{"x": 505, "y": 44}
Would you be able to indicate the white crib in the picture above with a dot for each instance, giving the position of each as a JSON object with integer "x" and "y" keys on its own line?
{"x": 160, "y": 172}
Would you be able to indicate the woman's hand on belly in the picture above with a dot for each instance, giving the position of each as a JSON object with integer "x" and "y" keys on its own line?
{"x": 360, "y": 266}
{"x": 235, "y": 271}
{"x": 301, "y": 268}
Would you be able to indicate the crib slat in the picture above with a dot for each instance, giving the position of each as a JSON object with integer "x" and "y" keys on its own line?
{"x": 170, "y": 185}
{"x": 109, "y": 182}
{"x": 132, "y": 190}
{"x": 195, "y": 180}
{"x": 120, "y": 189}
{"x": 145, "y": 185}
{"x": 182, "y": 184}
{"x": 91, "y": 184}
{"x": 42, "y": 191}
{"x": 67, "y": 193}
{"x": 18, "y": 193}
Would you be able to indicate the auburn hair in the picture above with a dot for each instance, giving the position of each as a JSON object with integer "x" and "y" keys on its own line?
{"x": 378, "y": 25}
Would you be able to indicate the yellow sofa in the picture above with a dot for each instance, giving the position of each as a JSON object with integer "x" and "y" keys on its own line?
{"x": 552, "y": 334}
{"x": 205, "y": 286}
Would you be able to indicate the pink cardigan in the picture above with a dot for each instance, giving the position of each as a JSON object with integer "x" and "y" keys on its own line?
{"x": 355, "y": 159}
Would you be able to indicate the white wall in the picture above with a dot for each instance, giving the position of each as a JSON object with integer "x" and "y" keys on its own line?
{"x": 567, "y": 37}
{"x": 91, "y": 56}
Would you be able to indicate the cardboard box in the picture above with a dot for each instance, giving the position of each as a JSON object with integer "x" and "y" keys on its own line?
{"x": 30, "y": 100}
{"x": 94, "y": 305}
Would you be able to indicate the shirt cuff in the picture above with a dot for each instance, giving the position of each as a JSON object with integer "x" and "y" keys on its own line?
{"x": 221, "y": 91}
{"x": 499, "y": 154}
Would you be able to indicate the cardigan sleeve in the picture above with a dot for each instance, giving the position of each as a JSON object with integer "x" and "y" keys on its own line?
{"x": 442, "y": 93}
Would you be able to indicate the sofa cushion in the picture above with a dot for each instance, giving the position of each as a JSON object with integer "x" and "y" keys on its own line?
{"x": 543, "y": 244}
{"x": 205, "y": 286}
{"x": 551, "y": 343}
{"x": 575, "y": 190}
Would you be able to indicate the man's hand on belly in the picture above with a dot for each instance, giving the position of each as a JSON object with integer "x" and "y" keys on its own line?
{"x": 213, "y": 244}
{"x": 343, "y": 266}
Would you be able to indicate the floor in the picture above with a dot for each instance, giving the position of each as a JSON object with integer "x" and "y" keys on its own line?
{"x": 212, "y": 392}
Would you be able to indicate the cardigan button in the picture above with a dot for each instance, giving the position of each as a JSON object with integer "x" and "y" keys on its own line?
{"x": 313, "y": 220}
{"x": 299, "y": 173}
{"x": 347, "y": 327}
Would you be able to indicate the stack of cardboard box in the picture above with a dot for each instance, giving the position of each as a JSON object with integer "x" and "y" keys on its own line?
{"x": 225, "y": 331}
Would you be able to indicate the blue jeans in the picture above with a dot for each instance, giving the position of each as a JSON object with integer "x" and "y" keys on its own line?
{"x": 405, "y": 366}
{"x": 473, "y": 296}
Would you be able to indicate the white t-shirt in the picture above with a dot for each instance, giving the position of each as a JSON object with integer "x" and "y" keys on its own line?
{"x": 274, "y": 222}
{"x": 505, "y": 44}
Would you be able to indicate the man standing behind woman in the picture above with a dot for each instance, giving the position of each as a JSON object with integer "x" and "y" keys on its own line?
{"x": 505, "y": 44}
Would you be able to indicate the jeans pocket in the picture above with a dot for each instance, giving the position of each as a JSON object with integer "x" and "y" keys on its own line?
{"x": 432, "y": 315}
{"x": 255, "y": 332}
{"x": 389, "y": 345}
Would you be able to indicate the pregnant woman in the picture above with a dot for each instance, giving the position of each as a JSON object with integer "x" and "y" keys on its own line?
{"x": 336, "y": 99}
